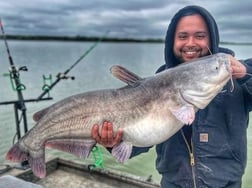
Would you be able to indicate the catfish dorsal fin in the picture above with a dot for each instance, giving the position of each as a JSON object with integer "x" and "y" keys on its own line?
{"x": 38, "y": 115}
{"x": 125, "y": 75}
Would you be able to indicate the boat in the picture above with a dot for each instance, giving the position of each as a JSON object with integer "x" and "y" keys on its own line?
{"x": 63, "y": 173}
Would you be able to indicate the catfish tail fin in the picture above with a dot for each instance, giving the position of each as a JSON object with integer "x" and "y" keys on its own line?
{"x": 15, "y": 154}
{"x": 37, "y": 163}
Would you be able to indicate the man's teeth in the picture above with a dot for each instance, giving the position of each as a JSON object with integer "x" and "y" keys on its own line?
{"x": 190, "y": 53}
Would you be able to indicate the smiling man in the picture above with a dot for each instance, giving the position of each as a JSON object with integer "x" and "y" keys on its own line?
{"x": 191, "y": 38}
{"x": 211, "y": 153}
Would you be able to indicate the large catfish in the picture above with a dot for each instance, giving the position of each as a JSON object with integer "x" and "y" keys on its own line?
{"x": 148, "y": 110}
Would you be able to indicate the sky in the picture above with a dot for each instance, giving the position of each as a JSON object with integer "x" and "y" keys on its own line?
{"x": 143, "y": 19}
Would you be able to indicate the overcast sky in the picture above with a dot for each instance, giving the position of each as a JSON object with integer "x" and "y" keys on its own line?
{"x": 123, "y": 18}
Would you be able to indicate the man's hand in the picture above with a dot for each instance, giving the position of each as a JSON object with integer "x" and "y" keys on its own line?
{"x": 238, "y": 70}
{"x": 106, "y": 138}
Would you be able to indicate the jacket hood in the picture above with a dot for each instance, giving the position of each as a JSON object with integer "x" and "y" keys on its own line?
{"x": 170, "y": 59}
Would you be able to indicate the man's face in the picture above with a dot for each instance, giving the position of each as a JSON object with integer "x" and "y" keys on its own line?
{"x": 191, "y": 38}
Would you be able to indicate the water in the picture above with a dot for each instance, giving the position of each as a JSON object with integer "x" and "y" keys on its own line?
{"x": 45, "y": 58}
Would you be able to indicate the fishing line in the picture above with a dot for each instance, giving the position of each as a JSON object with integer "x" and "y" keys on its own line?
{"x": 63, "y": 75}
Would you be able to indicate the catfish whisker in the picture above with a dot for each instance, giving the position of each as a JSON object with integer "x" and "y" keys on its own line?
{"x": 209, "y": 50}
{"x": 232, "y": 84}
{"x": 232, "y": 79}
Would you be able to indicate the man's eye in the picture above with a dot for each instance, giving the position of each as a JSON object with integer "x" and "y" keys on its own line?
{"x": 200, "y": 36}
{"x": 182, "y": 36}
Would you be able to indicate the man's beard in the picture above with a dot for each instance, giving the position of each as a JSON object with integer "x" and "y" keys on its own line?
{"x": 196, "y": 49}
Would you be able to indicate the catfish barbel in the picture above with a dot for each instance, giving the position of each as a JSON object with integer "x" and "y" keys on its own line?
{"x": 148, "y": 110}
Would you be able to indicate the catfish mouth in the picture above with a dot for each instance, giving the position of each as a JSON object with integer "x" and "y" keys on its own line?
{"x": 201, "y": 99}
{"x": 202, "y": 91}
{"x": 192, "y": 99}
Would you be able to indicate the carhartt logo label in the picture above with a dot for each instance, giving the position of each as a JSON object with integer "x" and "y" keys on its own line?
{"x": 203, "y": 137}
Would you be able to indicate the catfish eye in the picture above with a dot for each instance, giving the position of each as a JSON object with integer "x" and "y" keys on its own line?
{"x": 216, "y": 68}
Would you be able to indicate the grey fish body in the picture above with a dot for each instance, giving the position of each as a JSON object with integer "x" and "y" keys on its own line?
{"x": 139, "y": 114}
{"x": 149, "y": 111}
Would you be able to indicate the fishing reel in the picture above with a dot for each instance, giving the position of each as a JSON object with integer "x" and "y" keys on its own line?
{"x": 64, "y": 76}
{"x": 15, "y": 70}
{"x": 14, "y": 77}
{"x": 23, "y": 68}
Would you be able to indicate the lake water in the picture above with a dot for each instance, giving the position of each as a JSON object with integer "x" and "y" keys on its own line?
{"x": 52, "y": 57}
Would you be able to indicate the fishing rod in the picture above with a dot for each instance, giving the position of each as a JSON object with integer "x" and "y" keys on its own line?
{"x": 17, "y": 85}
{"x": 64, "y": 75}
{"x": 19, "y": 104}
{"x": 14, "y": 73}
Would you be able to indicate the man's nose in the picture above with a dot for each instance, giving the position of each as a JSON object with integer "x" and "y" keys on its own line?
{"x": 191, "y": 41}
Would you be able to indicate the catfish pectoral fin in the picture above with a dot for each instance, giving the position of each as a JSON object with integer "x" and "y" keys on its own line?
{"x": 122, "y": 151}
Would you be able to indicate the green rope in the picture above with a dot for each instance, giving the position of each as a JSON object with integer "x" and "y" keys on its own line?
{"x": 98, "y": 158}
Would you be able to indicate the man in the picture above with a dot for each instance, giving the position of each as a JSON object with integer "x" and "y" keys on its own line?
{"x": 212, "y": 151}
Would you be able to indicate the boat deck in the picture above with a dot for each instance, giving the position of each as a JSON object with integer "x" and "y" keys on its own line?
{"x": 63, "y": 174}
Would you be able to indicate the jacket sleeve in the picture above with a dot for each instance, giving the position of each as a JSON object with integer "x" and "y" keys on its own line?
{"x": 246, "y": 82}
{"x": 135, "y": 150}
{"x": 138, "y": 150}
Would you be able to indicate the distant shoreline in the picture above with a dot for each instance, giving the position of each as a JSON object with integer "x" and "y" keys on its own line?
{"x": 91, "y": 39}
{"x": 79, "y": 38}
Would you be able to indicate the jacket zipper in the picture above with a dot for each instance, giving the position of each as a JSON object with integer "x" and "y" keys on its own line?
{"x": 192, "y": 159}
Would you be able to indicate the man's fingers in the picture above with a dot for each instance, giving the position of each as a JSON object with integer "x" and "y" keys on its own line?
{"x": 95, "y": 133}
{"x": 110, "y": 136}
{"x": 104, "y": 133}
{"x": 106, "y": 136}
{"x": 237, "y": 68}
{"x": 118, "y": 137}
